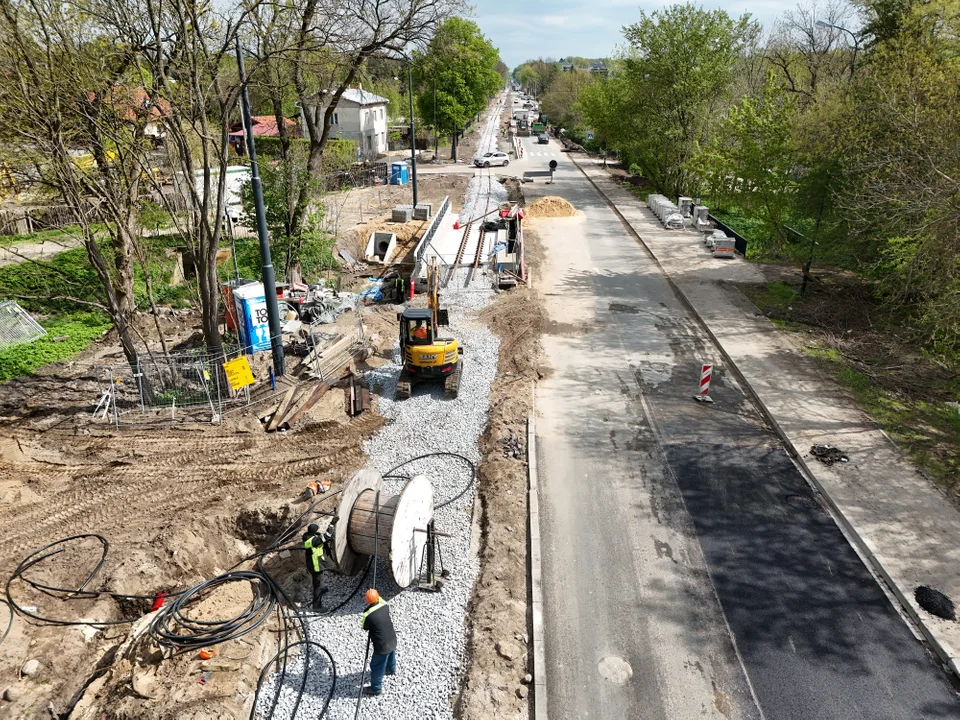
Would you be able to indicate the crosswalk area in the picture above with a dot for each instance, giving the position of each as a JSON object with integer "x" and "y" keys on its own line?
{"x": 535, "y": 153}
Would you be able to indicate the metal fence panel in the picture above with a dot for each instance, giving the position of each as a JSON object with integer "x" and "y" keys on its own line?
{"x": 16, "y": 325}
{"x": 194, "y": 379}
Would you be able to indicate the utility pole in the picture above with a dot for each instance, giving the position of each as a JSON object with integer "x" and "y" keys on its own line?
{"x": 269, "y": 282}
{"x": 413, "y": 141}
{"x": 436, "y": 128}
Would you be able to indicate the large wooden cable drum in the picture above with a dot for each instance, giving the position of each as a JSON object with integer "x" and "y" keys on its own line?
{"x": 400, "y": 528}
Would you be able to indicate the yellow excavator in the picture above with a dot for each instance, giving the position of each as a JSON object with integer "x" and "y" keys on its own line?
{"x": 427, "y": 357}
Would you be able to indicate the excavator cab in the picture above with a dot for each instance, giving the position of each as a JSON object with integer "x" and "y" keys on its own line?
{"x": 417, "y": 328}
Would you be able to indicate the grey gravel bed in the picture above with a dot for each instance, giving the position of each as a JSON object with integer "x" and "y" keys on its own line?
{"x": 431, "y": 627}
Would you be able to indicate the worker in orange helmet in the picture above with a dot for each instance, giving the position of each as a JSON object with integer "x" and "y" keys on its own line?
{"x": 376, "y": 621}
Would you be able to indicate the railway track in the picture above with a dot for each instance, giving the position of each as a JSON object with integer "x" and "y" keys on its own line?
{"x": 460, "y": 252}
{"x": 478, "y": 256}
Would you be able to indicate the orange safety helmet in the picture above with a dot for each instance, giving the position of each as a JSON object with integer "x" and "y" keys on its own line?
{"x": 372, "y": 596}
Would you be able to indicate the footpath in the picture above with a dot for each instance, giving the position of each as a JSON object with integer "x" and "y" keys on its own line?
{"x": 903, "y": 526}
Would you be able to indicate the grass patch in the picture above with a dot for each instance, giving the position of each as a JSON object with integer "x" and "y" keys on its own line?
{"x": 928, "y": 431}
{"x": 69, "y": 232}
{"x": 869, "y": 350}
{"x": 66, "y": 336}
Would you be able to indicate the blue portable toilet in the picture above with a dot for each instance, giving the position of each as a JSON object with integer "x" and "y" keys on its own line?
{"x": 398, "y": 173}
{"x": 252, "y": 317}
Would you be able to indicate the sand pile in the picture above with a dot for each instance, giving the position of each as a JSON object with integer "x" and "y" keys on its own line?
{"x": 550, "y": 206}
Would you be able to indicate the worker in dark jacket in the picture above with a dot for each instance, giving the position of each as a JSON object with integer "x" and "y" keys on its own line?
{"x": 376, "y": 621}
{"x": 317, "y": 550}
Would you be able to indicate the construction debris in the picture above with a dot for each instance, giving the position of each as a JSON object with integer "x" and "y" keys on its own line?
{"x": 935, "y": 602}
{"x": 356, "y": 398}
{"x": 828, "y": 455}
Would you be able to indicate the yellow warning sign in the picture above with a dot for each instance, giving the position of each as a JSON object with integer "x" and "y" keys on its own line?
{"x": 238, "y": 372}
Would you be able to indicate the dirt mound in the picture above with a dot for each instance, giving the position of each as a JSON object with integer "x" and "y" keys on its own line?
{"x": 550, "y": 206}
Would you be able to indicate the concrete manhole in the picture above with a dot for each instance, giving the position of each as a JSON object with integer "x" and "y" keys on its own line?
{"x": 615, "y": 670}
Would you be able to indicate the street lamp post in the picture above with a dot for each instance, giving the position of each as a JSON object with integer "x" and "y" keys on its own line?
{"x": 856, "y": 41}
{"x": 269, "y": 282}
{"x": 413, "y": 140}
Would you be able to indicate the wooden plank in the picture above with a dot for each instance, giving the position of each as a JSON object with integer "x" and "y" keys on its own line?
{"x": 300, "y": 396}
{"x": 348, "y": 258}
{"x": 294, "y": 415}
{"x": 284, "y": 404}
{"x": 338, "y": 345}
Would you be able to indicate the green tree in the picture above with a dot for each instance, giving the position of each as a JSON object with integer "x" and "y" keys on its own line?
{"x": 561, "y": 101}
{"x": 673, "y": 81}
{"x": 460, "y": 65}
{"x": 305, "y": 247}
{"x": 752, "y": 163}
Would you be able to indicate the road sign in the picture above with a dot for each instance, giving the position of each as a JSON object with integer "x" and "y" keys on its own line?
{"x": 553, "y": 164}
{"x": 238, "y": 372}
{"x": 590, "y": 136}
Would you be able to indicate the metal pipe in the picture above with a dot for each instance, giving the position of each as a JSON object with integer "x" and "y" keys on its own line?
{"x": 269, "y": 282}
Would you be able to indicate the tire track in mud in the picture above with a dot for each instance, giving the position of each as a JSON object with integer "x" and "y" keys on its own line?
{"x": 158, "y": 478}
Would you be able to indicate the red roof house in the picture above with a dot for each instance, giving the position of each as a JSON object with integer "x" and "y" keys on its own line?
{"x": 263, "y": 126}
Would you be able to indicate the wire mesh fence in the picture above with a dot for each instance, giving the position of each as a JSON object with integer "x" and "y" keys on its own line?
{"x": 16, "y": 325}
{"x": 193, "y": 382}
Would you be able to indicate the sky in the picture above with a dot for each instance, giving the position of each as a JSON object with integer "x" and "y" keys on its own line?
{"x": 524, "y": 30}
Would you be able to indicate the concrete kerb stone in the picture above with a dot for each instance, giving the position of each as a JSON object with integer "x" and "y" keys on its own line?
{"x": 862, "y": 544}
{"x": 536, "y": 581}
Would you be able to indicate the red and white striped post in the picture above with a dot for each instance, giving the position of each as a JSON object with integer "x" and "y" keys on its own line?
{"x": 703, "y": 394}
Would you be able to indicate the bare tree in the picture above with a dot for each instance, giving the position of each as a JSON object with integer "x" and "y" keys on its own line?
{"x": 804, "y": 53}
{"x": 320, "y": 49}
{"x": 185, "y": 63}
{"x": 70, "y": 118}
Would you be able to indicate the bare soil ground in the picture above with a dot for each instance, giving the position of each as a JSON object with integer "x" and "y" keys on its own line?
{"x": 354, "y": 214}
{"x": 500, "y": 642}
{"x": 875, "y": 354}
{"x": 177, "y": 504}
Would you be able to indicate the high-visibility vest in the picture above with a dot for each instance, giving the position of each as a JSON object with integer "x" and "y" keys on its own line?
{"x": 373, "y": 608}
{"x": 316, "y": 552}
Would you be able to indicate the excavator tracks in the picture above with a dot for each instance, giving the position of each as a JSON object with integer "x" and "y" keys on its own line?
{"x": 404, "y": 385}
{"x": 451, "y": 386}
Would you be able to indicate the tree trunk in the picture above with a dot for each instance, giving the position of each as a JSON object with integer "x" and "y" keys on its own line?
{"x": 121, "y": 320}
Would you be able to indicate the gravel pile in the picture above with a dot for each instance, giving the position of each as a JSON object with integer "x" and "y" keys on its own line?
{"x": 431, "y": 627}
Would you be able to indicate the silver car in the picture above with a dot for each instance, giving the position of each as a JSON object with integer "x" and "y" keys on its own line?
{"x": 491, "y": 158}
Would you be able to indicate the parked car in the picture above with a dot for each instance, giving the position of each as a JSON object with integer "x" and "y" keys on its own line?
{"x": 492, "y": 158}
{"x": 542, "y": 139}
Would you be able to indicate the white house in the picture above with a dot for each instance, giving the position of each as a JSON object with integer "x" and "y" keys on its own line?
{"x": 361, "y": 116}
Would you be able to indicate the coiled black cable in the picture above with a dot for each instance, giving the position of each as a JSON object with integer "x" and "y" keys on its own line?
{"x": 390, "y": 474}
{"x": 9, "y": 607}
{"x": 174, "y": 628}
{"x": 80, "y": 592}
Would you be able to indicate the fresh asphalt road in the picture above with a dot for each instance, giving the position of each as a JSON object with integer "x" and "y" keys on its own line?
{"x": 688, "y": 569}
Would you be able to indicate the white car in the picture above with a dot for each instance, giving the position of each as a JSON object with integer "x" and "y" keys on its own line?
{"x": 492, "y": 158}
